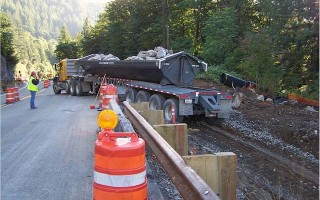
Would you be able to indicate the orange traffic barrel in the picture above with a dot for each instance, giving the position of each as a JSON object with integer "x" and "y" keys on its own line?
{"x": 119, "y": 167}
{"x": 103, "y": 88}
{"x": 46, "y": 83}
{"x": 16, "y": 94}
{"x": 10, "y": 95}
{"x": 110, "y": 92}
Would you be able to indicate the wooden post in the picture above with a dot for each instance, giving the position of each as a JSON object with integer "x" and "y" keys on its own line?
{"x": 153, "y": 117}
{"x": 227, "y": 167}
{"x": 176, "y": 135}
{"x": 140, "y": 106}
{"x": 219, "y": 171}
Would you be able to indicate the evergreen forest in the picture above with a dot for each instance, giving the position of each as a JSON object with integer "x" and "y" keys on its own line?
{"x": 30, "y": 30}
{"x": 272, "y": 43}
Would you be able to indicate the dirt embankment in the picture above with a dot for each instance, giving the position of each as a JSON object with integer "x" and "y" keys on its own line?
{"x": 288, "y": 124}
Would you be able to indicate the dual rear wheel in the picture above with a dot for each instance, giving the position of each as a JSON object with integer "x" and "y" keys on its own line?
{"x": 156, "y": 102}
{"x": 74, "y": 88}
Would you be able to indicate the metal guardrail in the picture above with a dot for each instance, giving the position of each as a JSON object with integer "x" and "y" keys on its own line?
{"x": 188, "y": 182}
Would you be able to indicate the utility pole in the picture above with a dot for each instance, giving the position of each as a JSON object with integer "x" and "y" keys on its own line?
{"x": 165, "y": 26}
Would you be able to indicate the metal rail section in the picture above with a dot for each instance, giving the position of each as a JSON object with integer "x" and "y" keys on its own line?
{"x": 188, "y": 182}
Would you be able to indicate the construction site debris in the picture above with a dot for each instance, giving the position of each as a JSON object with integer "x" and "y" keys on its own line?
{"x": 236, "y": 100}
{"x": 260, "y": 98}
{"x": 234, "y": 82}
{"x": 269, "y": 100}
{"x": 310, "y": 108}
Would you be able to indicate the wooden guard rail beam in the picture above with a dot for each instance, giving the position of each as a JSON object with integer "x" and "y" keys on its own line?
{"x": 188, "y": 182}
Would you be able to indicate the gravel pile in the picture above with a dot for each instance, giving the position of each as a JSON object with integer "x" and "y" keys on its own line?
{"x": 262, "y": 134}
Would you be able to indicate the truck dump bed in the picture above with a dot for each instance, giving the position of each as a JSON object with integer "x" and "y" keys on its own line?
{"x": 177, "y": 69}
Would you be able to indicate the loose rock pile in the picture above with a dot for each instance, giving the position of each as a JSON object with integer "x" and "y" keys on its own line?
{"x": 108, "y": 57}
{"x": 157, "y": 53}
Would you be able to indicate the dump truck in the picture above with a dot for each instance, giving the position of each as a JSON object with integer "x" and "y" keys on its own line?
{"x": 68, "y": 79}
{"x": 166, "y": 83}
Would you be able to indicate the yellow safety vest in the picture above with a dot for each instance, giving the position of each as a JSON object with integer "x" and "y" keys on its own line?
{"x": 32, "y": 86}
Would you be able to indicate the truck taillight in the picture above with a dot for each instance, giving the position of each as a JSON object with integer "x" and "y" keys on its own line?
{"x": 184, "y": 96}
{"x": 229, "y": 97}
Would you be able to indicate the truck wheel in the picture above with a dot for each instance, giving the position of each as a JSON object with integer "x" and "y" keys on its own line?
{"x": 156, "y": 102}
{"x": 131, "y": 94}
{"x": 96, "y": 88}
{"x": 56, "y": 89}
{"x": 142, "y": 96}
{"x": 68, "y": 87}
{"x": 78, "y": 88}
{"x": 72, "y": 88}
{"x": 167, "y": 114}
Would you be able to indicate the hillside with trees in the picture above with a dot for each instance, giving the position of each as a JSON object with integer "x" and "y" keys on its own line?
{"x": 272, "y": 43}
{"x": 33, "y": 27}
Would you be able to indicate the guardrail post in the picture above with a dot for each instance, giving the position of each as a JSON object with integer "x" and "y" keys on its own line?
{"x": 219, "y": 171}
{"x": 142, "y": 106}
{"x": 176, "y": 135}
{"x": 154, "y": 117}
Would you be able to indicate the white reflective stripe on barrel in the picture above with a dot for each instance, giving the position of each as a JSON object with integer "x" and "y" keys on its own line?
{"x": 119, "y": 180}
{"x": 110, "y": 96}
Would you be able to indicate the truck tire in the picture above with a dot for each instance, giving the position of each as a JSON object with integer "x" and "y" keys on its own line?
{"x": 167, "y": 114}
{"x": 96, "y": 88}
{"x": 156, "y": 102}
{"x": 56, "y": 89}
{"x": 72, "y": 88}
{"x": 131, "y": 94}
{"x": 78, "y": 88}
{"x": 142, "y": 96}
{"x": 68, "y": 87}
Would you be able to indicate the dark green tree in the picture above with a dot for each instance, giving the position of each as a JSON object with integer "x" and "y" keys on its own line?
{"x": 64, "y": 36}
{"x": 294, "y": 28}
{"x": 7, "y": 36}
{"x": 66, "y": 47}
{"x": 130, "y": 26}
{"x": 221, "y": 33}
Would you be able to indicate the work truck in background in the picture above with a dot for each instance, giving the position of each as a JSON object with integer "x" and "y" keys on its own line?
{"x": 70, "y": 79}
{"x": 164, "y": 83}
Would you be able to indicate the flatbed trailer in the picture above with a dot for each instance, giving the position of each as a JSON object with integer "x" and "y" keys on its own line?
{"x": 187, "y": 101}
{"x": 166, "y": 83}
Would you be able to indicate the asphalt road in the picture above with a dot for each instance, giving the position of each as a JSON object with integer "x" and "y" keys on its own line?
{"x": 48, "y": 153}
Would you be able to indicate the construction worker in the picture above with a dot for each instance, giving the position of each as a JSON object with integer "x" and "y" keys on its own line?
{"x": 33, "y": 87}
